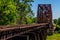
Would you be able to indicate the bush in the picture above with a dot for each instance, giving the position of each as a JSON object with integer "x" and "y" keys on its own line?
{"x": 57, "y": 30}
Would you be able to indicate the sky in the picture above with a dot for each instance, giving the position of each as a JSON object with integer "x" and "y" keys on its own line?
{"x": 55, "y": 4}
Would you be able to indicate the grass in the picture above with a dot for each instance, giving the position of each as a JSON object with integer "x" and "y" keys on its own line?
{"x": 54, "y": 37}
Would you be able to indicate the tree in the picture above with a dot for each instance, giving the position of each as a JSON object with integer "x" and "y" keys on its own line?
{"x": 28, "y": 20}
{"x": 8, "y": 12}
{"x": 58, "y": 21}
{"x": 24, "y": 10}
{"x": 34, "y": 20}
{"x": 55, "y": 21}
{"x": 57, "y": 24}
{"x": 11, "y": 10}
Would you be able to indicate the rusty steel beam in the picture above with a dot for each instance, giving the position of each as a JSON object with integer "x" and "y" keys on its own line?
{"x": 12, "y": 32}
{"x": 20, "y": 27}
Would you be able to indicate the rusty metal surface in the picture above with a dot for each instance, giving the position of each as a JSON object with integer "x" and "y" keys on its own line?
{"x": 5, "y": 28}
{"x": 44, "y": 13}
{"x": 15, "y": 30}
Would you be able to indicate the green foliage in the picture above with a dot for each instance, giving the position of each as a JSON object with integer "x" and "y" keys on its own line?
{"x": 58, "y": 21}
{"x": 34, "y": 19}
{"x": 12, "y": 11}
{"x": 57, "y": 24}
{"x": 55, "y": 21}
{"x": 29, "y": 20}
{"x": 8, "y": 12}
{"x": 24, "y": 10}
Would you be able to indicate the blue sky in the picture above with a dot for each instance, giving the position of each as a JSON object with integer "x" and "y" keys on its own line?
{"x": 54, "y": 3}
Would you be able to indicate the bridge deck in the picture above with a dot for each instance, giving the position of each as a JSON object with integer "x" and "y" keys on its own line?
{"x": 5, "y": 28}
{"x": 7, "y": 32}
